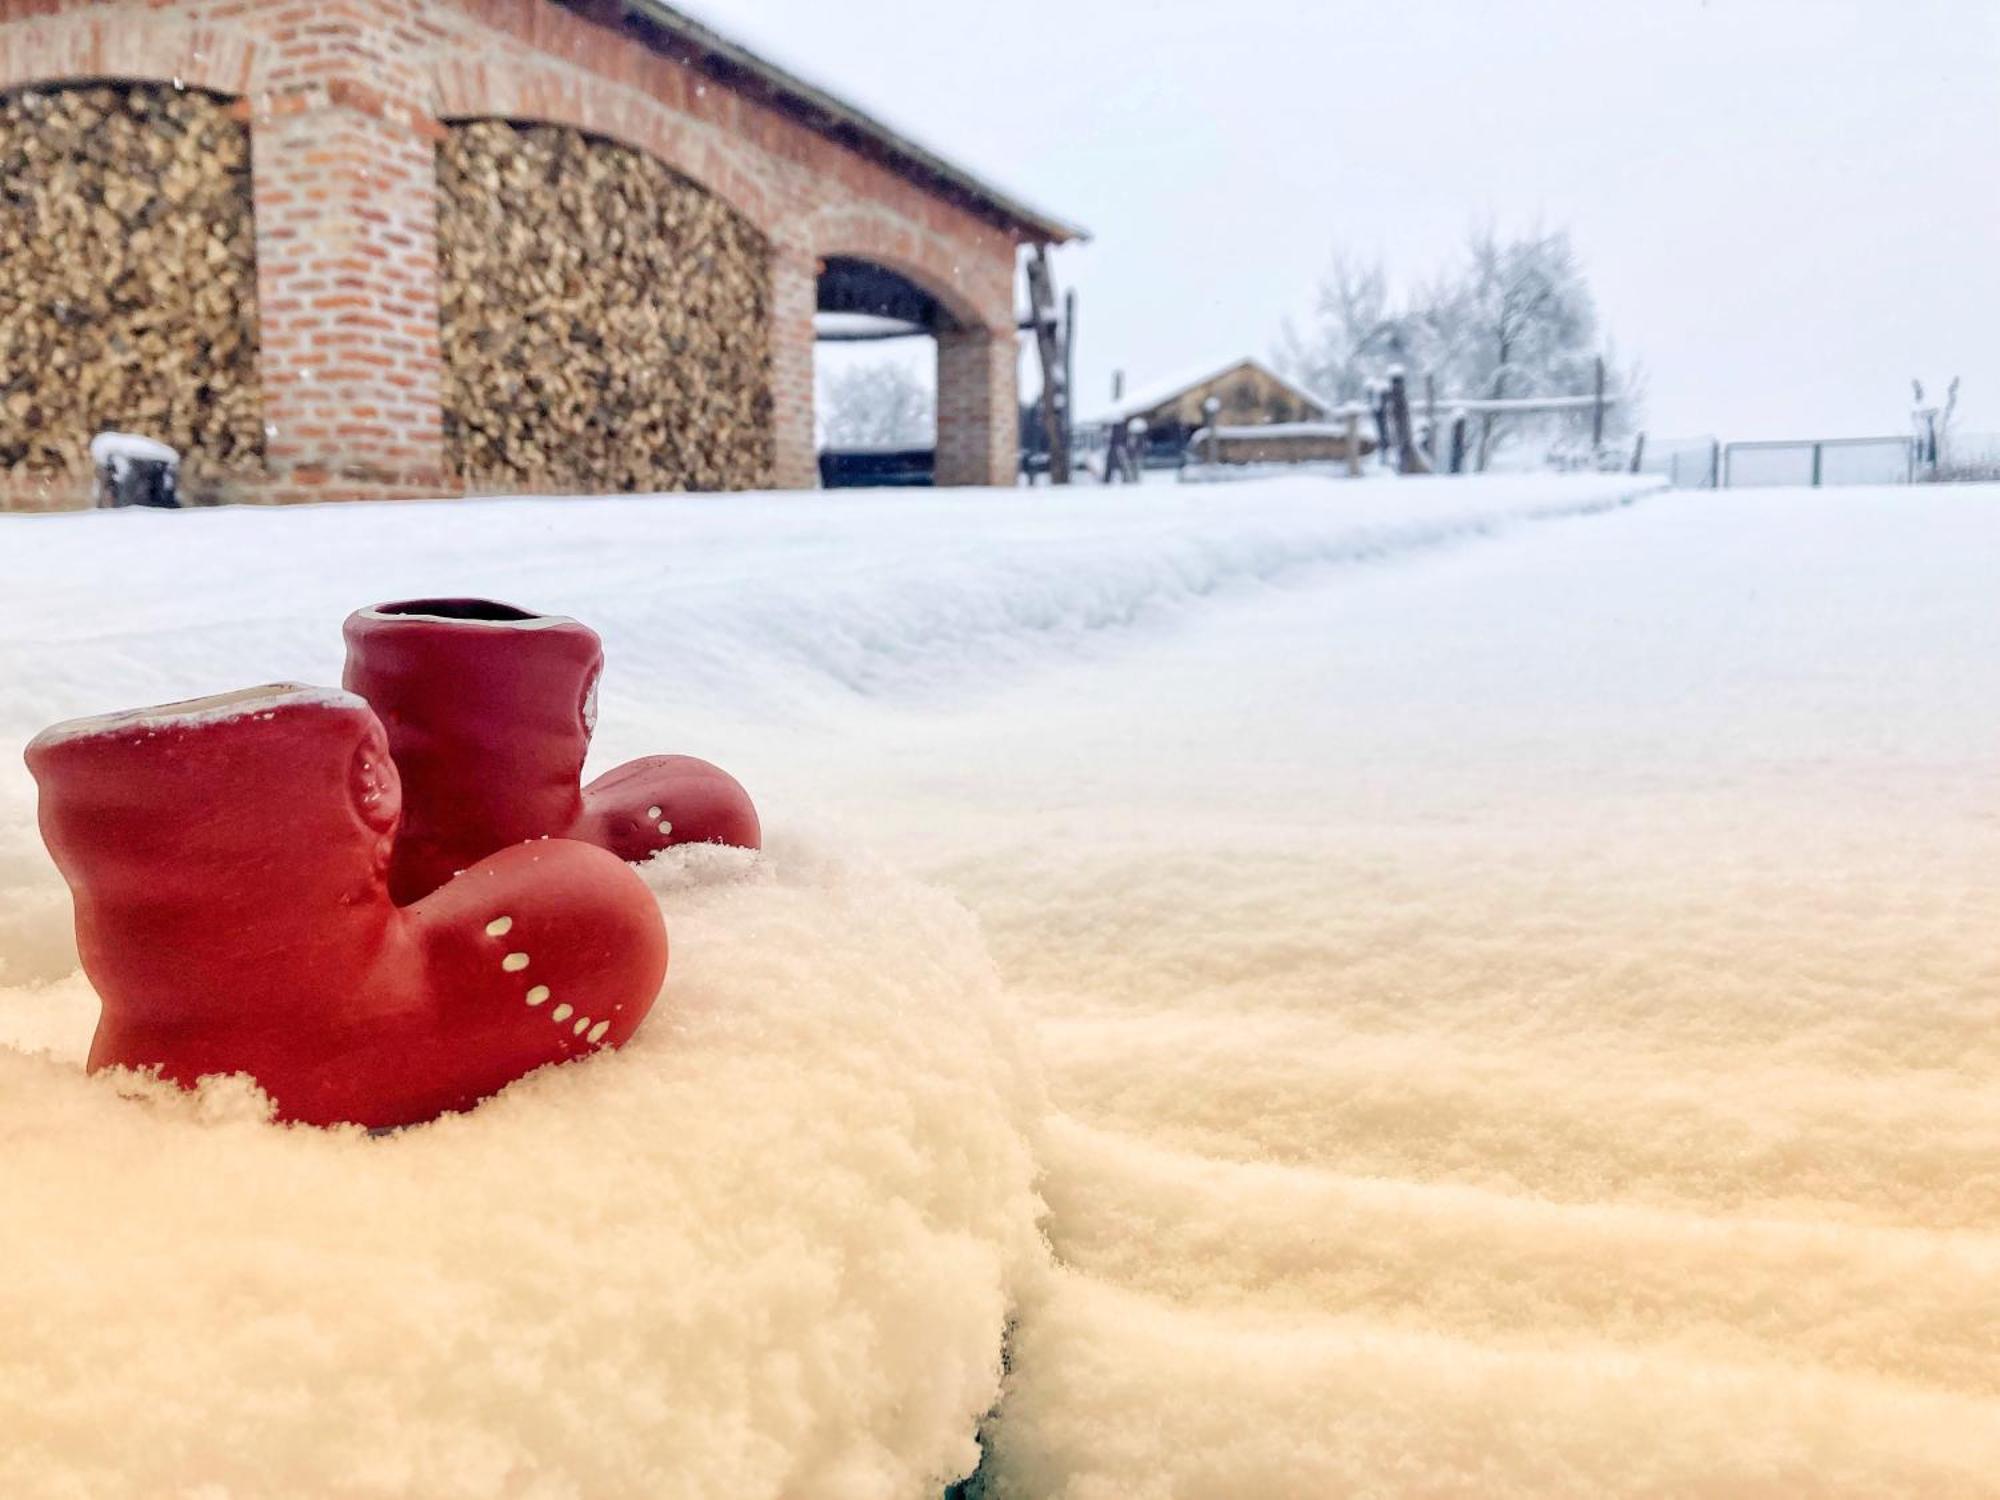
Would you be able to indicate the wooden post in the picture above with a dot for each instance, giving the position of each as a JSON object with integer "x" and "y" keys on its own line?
{"x": 1597, "y": 410}
{"x": 1353, "y": 443}
{"x": 1431, "y": 420}
{"x": 1408, "y": 459}
{"x": 1458, "y": 441}
{"x": 1135, "y": 438}
{"x": 1055, "y": 398}
{"x": 1069, "y": 373}
{"x": 1486, "y": 415}
{"x": 1212, "y": 410}
{"x": 1638, "y": 451}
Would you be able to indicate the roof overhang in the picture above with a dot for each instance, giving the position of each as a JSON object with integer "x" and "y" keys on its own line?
{"x": 737, "y": 67}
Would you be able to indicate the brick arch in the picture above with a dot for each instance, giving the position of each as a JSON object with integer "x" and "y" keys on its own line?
{"x": 528, "y": 94}
{"x": 929, "y": 263}
{"x": 158, "y": 48}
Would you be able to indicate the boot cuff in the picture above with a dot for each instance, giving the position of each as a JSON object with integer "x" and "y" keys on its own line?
{"x": 487, "y": 614}
{"x": 192, "y": 713}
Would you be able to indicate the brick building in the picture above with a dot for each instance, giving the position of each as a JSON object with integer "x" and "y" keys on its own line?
{"x": 422, "y": 278}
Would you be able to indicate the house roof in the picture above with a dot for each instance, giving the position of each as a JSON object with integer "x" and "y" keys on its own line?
{"x": 1155, "y": 394}
{"x": 751, "y": 73}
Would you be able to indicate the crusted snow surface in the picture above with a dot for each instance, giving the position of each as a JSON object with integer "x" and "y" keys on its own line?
{"x": 1490, "y": 987}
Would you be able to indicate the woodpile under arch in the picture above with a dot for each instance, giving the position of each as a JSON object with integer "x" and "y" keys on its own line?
{"x": 128, "y": 279}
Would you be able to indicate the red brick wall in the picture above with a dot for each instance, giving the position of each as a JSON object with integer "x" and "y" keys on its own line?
{"x": 344, "y": 99}
{"x": 978, "y": 412}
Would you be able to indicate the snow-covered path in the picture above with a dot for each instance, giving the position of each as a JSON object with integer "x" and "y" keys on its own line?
{"x": 1514, "y": 972}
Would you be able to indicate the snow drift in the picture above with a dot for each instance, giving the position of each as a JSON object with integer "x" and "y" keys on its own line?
{"x": 1510, "y": 969}
{"x": 770, "y": 1248}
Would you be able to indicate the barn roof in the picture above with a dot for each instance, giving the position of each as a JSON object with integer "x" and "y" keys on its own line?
{"x": 1150, "y": 397}
{"x": 751, "y": 73}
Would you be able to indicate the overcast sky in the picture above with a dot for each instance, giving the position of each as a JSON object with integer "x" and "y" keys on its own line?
{"x": 1786, "y": 207}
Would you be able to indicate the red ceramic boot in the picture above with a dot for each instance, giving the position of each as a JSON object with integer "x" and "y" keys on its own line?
{"x": 489, "y": 711}
{"x": 229, "y": 860}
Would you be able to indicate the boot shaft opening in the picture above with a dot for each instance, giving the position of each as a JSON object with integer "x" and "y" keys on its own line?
{"x": 464, "y": 611}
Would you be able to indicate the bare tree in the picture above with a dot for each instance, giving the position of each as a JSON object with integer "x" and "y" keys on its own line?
{"x": 1353, "y": 333}
{"x": 1933, "y": 425}
{"x": 878, "y": 405}
{"x": 1514, "y": 318}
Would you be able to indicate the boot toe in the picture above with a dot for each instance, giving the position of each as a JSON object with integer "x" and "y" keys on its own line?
{"x": 545, "y": 951}
{"x": 648, "y": 805}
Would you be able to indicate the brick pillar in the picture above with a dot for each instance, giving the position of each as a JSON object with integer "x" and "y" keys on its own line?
{"x": 345, "y": 183}
{"x": 978, "y": 416}
{"x": 794, "y": 296}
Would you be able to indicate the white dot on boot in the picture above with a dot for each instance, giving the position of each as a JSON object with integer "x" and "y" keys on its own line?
{"x": 514, "y": 963}
{"x": 653, "y": 812}
{"x": 562, "y": 1012}
{"x": 582, "y": 1025}
{"x": 499, "y": 926}
{"x": 665, "y": 829}
{"x": 538, "y": 994}
{"x": 597, "y": 1031}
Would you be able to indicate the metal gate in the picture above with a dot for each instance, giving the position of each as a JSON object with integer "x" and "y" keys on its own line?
{"x": 1821, "y": 461}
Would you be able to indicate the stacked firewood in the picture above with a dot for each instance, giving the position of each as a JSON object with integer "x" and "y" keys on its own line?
{"x": 128, "y": 281}
{"x": 605, "y": 320}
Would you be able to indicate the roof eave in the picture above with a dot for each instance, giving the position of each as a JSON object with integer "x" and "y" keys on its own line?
{"x": 842, "y": 122}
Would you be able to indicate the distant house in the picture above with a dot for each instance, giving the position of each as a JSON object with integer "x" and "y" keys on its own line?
{"x": 1251, "y": 394}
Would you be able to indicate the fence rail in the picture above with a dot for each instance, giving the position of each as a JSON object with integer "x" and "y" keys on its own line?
{"x": 1686, "y": 463}
{"x": 1969, "y": 455}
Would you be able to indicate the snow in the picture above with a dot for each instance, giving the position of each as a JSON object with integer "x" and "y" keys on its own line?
{"x": 115, "y": 450}
{"x": 1276, "y": 429}
{"x": 767, "y": 1249}
{"x": 861, "y": 326}
{"x": 1485, "y": 985}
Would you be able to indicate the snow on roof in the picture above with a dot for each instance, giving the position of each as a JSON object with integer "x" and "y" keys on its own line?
{"x": 1277, "y": 430}
{"x": 122, "y": 447}
{"x": 1137, "y": 402}
{"x": 860, "y": 325}
{"x": 767, "y": 67}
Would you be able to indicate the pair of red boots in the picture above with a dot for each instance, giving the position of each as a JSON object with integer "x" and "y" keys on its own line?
{"x": 381, "y": 903}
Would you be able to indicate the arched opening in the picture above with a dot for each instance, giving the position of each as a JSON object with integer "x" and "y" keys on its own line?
{"x": 931, "y": 363}
{"x": 875, "y": 376}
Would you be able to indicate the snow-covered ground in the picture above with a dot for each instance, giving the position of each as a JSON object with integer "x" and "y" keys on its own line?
{"x": 1488, "y": 988}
